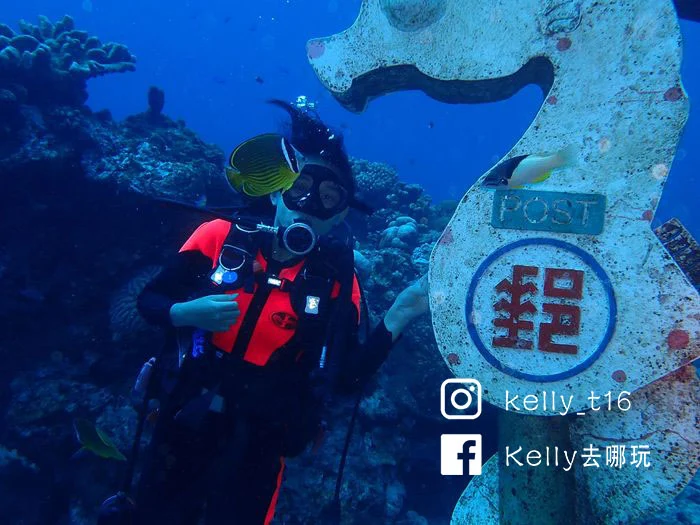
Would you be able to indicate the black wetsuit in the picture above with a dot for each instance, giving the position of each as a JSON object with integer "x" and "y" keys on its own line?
{"x": 232, "y": 459}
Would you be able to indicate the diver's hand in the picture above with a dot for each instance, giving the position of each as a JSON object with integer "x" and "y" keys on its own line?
{"x": 409, "y": 304}
{"x": 213, "y": 313}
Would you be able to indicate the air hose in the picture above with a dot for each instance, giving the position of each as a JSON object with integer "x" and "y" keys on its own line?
{"x": 332, "y": 513}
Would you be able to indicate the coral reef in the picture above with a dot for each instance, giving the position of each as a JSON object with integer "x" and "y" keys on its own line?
{"x": 154, "y": 158}
{"x": 49, "y": 63}
{"x": 157, "y": 156}
{"x": 375, "y": 182}
{"x": 81, "y": 187}
{"x": 420, "y": 259}
{"x": 401, "y": 233}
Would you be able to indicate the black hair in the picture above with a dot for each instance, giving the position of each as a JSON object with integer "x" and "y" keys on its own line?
{"x": 308, "y": 133}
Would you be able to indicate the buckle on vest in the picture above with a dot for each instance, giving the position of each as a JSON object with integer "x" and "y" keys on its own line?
{"x": 281, "y": 283}
{"x": 274, "y": 281}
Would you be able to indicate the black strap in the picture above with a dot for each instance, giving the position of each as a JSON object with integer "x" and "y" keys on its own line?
{"x": 353, "y": 419}
{"x": 251, "y": 242}
{"x": 346, "y": 447}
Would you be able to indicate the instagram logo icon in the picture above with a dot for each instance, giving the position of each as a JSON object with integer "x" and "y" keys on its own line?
{"x": 460, "y": 398}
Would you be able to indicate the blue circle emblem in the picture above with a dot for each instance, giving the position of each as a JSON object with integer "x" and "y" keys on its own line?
{"x": 229, "y": 277}
{"x": 588, "y": 260}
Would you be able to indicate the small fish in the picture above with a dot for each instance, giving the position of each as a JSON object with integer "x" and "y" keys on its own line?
{"x": 431, "y": 124}
{"x": 259, "y": 79}
{"x": 219, "y": 80}
{"x": 514, "y": 173}
{"x": 262, "y": 165}
{"x": 94, "y": 440}
{"x": 227, "y": 19}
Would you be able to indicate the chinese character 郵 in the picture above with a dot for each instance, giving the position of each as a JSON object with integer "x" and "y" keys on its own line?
{"x": 559, "y": 283}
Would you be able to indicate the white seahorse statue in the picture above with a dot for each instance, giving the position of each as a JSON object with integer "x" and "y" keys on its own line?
{"x": 604, "y": 307}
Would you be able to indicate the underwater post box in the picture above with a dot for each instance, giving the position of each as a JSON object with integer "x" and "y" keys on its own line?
{"x": 559, "y": 287}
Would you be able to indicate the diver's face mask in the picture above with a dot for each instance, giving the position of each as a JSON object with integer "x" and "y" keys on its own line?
{"x": 316, "y": 192}
{"x": 268, "y": 163}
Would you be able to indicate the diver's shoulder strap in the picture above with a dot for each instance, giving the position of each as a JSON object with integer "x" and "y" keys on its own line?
{"x": 249, "y": 240}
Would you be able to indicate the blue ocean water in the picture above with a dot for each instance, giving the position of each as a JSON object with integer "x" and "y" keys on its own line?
{"x": 219, "y": 61}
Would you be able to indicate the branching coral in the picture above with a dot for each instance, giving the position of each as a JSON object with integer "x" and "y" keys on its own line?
{"x": 49, "y": 63}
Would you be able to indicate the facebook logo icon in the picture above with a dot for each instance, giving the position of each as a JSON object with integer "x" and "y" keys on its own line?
{"x": 455, "y": 450}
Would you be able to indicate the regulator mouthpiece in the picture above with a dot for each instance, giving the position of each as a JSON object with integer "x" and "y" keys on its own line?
{"x": 299, "y": 238}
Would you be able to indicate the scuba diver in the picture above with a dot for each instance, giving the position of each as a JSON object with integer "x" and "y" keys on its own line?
{"x": 266, "y": 322}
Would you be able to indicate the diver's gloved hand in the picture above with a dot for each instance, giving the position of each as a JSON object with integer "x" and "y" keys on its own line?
{"x": 412, "y": 302}
{"x": 212, "y": 313}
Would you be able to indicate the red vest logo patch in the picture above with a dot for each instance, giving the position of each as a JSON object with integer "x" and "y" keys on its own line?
{"x": 284, "y": 320}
